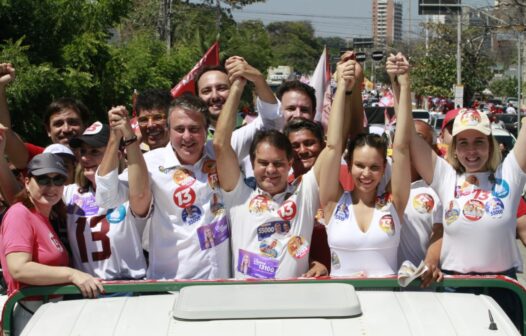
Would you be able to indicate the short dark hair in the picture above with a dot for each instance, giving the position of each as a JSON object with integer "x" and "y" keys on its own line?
{"x": 296, "y": 85}
{"x": 205, "y": 69}
{"x": 63, "y": 103}
{"x": 373, "y": 140}
{"x": 274, "y": 138}
{"x": 153, "y": 99}
{"x": 297, "y": 124}
{"x": 190, "y": 102}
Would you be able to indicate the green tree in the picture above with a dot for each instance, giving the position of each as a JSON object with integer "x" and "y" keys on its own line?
{"x": 505, "y": 87}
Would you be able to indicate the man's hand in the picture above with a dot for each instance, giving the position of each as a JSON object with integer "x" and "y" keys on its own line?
{"x": 237, "y": 67}
{"x": 397, "y": 68}
{"x": 119, "y": 123}
{"x": 7, "y": 74}
{"x": 345, "y": 74}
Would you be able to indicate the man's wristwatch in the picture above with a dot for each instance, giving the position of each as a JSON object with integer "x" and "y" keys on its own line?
{"x": 127, "y": 142}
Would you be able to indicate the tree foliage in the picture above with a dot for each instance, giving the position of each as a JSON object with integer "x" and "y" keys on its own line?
{"x": 504, "y": 87}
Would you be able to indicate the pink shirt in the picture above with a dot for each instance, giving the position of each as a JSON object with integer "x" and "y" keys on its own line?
{"x": 25, "y": 230}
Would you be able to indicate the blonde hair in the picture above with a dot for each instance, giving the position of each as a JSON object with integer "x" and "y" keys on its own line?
{"x": 491, "y": 164}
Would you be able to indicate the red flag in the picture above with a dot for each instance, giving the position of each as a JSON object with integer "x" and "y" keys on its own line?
{"x": 187, "y": 84}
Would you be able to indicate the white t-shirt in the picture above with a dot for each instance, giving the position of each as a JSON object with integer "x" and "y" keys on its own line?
{"x": 422, "y": 211}
{"x": 354, "y": 252}
{"x": 480, "y": 218}
{"x": 104, "y": 243}
{"x": 189, "y": 232}
{"x": 271, "y": 235}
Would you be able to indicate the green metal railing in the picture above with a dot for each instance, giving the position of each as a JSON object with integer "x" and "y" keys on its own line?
{"x": 144, "y": 287}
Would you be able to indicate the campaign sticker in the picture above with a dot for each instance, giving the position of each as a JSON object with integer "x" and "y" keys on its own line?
{"x": 382, "y": 201}
{"x": 213, "y": 234}
{"x": 298, "y": 247}
{"x": 288, "y": 210}
{"x": 191, "y": 215}
{"x": 256, "y": 266}
{"x": 117, "y": 215}
{"x": 184, "y": 197}
{"x": 270, "y": 247}
{"x": 83, "y": 205}
{"x": 268, "y": 229}
{"x": 320, "y": 216}
{"x": 470, "y": 118}
{"x": 259, "y": 204}
{"x": 467, "y": 186}
{"x": 183, "y": 177}
{"x": 342, "y": 212}
{"x": 209, "y": 167}
{"x": 335, "y": 261}
{"x": 423, "y": 203}
{"x": 216, "y": 207}
{"x": 213, "y": 180}
{"x": 387, "y": 224}
{"x": 452, "y": 212}
{"x": 56, "y": 242}
{"x": 494, "y": 207}
{"x": 500, "y": 189}
{"x": 473, "y": 210}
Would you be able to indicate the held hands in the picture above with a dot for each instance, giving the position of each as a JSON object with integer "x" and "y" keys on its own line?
{"x": 88, "y": 285}
{"x": 345, "y": 74}
{"x": 358, "y": 70}
{"x": 7, "y": 74}
{"x": 397, "y": 68}
{"x": 119, "y": 123}
{"x": 238, "y": 68}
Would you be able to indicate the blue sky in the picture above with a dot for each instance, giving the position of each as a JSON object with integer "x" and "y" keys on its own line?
{"x": 343, "y": 18}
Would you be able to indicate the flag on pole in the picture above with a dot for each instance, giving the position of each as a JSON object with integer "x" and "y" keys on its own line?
{"x": 321, "y": 81}
{"x": 187, "y": 84}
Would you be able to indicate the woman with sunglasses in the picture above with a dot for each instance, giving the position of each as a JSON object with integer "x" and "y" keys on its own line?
{"x": 30, "y": 251}
{"x": 363, "y": 228}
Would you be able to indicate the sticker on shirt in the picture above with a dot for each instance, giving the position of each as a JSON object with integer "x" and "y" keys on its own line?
{"x": 387, "y": 224}
{"x": 117, "y": 215}
{"x": 56, "y": 242}
{"x": 184, "y": 197}
{"x": 500, "y": 189}
{"x": 256, "y": 266}
{"x": 209, "y": 166}
{"x": 342, "y": 212}
{"x": 335, "y": 261}
{"x": 382, "y": 201}
{"x": 288, "y": 210}
{"x": 423, "y": 203}
{"x": 268, "y": 229}
{"x": 298, "y": 247}
{"x": 216, "y": 206}
{"x": 213, "y": 180}
{"x": 467, "y": 186}
{"x": 320, "y": 216}
{"x": 270, "y": 247}
{"x": 191, "y": 215}
{"x": 473, "y": 210}
{"x": 494, "y": 207}
{"x": 452, "y": 212}
{"x": 83, "y": 205}
{"x": 183, "y": 177}
{"x": 213, "y": 234}
{"x": 259, "y": 204}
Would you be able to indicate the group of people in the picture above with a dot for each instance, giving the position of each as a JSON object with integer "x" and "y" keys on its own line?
{"x": 209, "y": 200}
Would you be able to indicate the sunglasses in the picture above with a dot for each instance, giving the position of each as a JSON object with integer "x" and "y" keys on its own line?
{"x": 46, "y": 180}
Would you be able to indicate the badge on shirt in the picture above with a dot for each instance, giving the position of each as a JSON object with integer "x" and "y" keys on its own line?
{"x": 473, "y": 210}
{"x": 191, "y": 215}
{"x": 55, "y": 242}
{"x": 213, "y": 234}
{"x": 83, "y": 205}
{"x": 494, "y": 207}
{"x": 500, "y": 189}
{"x": 184, "y": 197}
{"x": 467, "y": 187}
{"x": 270, "y": 247}
{"x": 117, "y": 215}
{"x": 259, "y": 204}
{"x": 256, "y": 266}
{"x": 288, "y": 210}
{"x": 209, "y": 166}
{"x": 387, "y": 224}
{"x": 452, "y": 212}
{"x": 298, "y": 247}
{"x": 320, "y": 216}
{"x": 335, "y": 261}
{"x": 183, "y": 177}
{"x": 382, "y": 201}
{"x": 277, "y": 227}
{"x": 216, "y": 207}
{"x": 423, "y": 203}
{"x": 342, "y": 212}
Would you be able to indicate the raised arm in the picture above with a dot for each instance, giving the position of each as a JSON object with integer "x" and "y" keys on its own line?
{"x": 239, "y": 68}
{"x": 398, "y": 69}
{"x": 16, "y": 151}
{"x": 520, "y": 146}
{"x": 227, "y": 162}
{"x": 140, "y": 194}
{"x": 354, "y": 113}
{"x": 9, "y": 186}
{"x": 327, "y": 167}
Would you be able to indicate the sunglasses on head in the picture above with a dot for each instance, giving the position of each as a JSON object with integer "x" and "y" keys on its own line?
{"x": 46, "y": 180}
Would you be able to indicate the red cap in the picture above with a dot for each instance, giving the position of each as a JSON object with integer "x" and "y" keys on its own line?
{"x": 450, "y": 116}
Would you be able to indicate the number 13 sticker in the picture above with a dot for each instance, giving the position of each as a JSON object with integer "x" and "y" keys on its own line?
{"x": 184, "y": 197}
{"x": 288, "y": 210}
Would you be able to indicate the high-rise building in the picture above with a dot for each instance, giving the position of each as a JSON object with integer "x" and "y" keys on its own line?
{"x": 387, "y": 22}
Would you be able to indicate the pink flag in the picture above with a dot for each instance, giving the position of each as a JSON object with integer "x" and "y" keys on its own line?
{"x": 187, "y": 84}
{"x": 320, "y": 81}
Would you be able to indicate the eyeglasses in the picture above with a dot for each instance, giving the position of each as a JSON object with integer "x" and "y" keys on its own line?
{"x": 157, "y": 118}
{"x": 46, "y": 180}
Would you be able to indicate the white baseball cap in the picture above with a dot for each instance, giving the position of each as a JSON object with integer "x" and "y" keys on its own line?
{"x": 471, "y": 119}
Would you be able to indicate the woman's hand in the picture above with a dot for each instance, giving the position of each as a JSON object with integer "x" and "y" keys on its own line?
{"x": 317, "y": 269}
{"x": 89, "y": 286}
{"x": 433, "y": 274}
